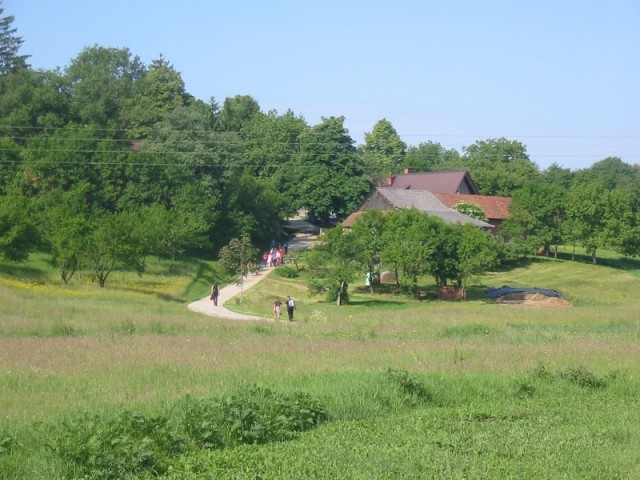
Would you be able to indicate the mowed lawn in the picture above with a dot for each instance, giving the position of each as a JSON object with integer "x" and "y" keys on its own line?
{"x": 514, "y": 391}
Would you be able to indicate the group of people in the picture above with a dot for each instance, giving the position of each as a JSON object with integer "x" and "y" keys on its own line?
{"x": 277, "y": 308}
{"x": 289, "y": 304}
{"x": 275, "y": 254}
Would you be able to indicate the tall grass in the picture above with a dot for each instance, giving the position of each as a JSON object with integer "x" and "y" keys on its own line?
{"x": 507, "y": 391}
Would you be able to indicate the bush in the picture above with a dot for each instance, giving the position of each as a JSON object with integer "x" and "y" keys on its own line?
{"x": 253, "y": 416}
{"x": 582, "y": 377}
{"x": 414, "y": 391}
{"x": 286, "y": 272}
{"x": 112, "y": 448}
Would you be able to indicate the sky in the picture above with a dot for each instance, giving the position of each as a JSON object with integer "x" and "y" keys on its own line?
{"x": 560, "y": 76}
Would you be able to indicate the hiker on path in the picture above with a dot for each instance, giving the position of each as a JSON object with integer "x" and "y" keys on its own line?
{"x": 215, "y": 291}
{"x": 277, "y": 308}
{"x": 290, "y": 307}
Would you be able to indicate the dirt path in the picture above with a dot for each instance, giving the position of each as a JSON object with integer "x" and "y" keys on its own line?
{"x": 305, "y": 237}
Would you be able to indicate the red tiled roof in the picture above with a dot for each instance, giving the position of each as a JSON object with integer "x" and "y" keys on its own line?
{"x": 496, "y": 208}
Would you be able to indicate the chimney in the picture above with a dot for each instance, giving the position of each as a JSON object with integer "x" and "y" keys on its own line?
{"x": 389, "y": 179}
{"x": 406, "y": 170}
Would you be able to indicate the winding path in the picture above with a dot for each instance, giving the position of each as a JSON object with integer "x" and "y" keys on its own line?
{"x": 305, "y": 237}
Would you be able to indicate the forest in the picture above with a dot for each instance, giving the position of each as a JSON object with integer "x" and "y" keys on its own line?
{"x": 109, "y": 161}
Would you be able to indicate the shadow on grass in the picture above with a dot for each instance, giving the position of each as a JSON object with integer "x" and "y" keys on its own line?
{"x": 374, "y": 302}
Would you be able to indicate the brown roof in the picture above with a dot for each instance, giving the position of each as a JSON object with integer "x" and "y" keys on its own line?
{"x": 494, "y": 207}
{"x": 350, "y": 220}
{"x": 436, "y": 182}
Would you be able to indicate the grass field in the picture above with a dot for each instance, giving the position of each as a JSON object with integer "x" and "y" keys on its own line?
{"x": 413, "y": 389}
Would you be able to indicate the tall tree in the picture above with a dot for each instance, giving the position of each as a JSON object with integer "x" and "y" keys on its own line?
{"x": 328, "y": 174}
{"x": 159, "y": 90}
{"x": 102, "y": 80}
{"x": 383, "y": 150}
{"x": 587, "y": 208}
{"x": 333, "y": 264}
{"x": 410, "y": 241}
{"x": 18, "y": 233}
{"x": 237, "y": 112}
{"x": 537, "y": 215}
{"x": 431, "y": 157}
{"x": 367, "y": 232}
{"x": 499, "y": 166}
{"x": 10, "y": 45}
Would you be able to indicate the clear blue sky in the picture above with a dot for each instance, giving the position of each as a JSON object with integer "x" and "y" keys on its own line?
{"x": 561, "y": 76}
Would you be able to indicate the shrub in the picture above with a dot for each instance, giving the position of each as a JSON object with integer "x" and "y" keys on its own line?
{"x": 252, "y": 416}
{"x": 582, "y": 377}
{"x": 414, "y": 391}
{"x": 112, "y": 448}
{"x": 286, "y": 272}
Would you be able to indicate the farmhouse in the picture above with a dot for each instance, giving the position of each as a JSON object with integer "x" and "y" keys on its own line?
{"x": 450, "y": 188}
{"x": 385, "y": 199}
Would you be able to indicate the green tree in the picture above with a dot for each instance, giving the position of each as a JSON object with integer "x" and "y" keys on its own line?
{"x": 587, "y": 216}
{"x": 463, "y": 251}
{"x": 537, "y": 217}
{"x": 10, "y": 45}
{"x": 237, "y": 112}
{"x": 328, "y": 175}
{"x": 333, "y": 264}
{"x": 159, "y": 90}
{"x": 18, "y": 234}
{"x": 367, "y": 233}
{"x": 101, "y": 80}
{"x": 611, "y": 171}
{"x": 115, "y": 240}
{"x": 383, "y": 150}
{"x": 499, "y": 166}
{"x": 410, "y": 240}
{"x": 239, "y": 255}
{"x": 63, "y": 221}
{"x": 171, "y": 232}
{"x": 431, "y": 157}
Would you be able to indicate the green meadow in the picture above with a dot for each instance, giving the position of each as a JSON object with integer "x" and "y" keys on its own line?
{"x": 126, "y": 382}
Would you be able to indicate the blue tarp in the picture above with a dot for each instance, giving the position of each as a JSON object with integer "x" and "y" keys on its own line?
{"x": 495, "y": 292}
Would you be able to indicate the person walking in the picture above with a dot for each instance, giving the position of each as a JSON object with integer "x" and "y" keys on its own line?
{"x": 291, "y": 305}
{"x": 214, "y": 294}
{"x": 277, "y": 309}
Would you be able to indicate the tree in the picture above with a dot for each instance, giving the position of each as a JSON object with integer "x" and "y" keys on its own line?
{"x": 18, "y": 234}
{"x": 410, "y": 240}
{"x": 10, "y": 44}
{"x": 173, "y": 231}
{"x": 63, "y": 220}
{"x": 159, "y": 90}
{"x": 431, "y": 157}
{"x": 328, "y": 174}
{"x": 115, "y": 240}
{"x": 239, "y": 255}
{"x": 611, "y": 171}
{"x": 587, "y": 216}
{"x": 236, "y": 112}
{"x": 463, "y": 251}
{"x": 101, "y": 80}
{"x": 499, "y": 166}
{"x": 333, "y": 264}
{"x": 537, "y": 217}
{"x": 383, "y": 150}
{"x": 367, "y": 233}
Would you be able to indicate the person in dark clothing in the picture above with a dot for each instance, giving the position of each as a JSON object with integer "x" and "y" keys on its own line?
{"x": 214, "y": 294}
{"x": 290, "y": 307}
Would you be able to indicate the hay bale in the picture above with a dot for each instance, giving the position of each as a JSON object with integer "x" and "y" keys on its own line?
{"x": 388, "y": 277}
